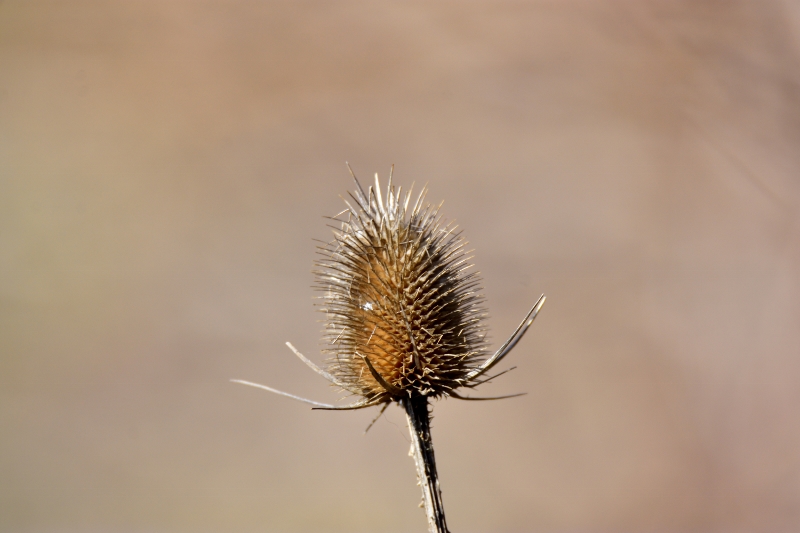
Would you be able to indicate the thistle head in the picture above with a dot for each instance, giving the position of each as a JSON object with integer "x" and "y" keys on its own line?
{"x": 403, "y": 310}
{"x": 403, "y": 316}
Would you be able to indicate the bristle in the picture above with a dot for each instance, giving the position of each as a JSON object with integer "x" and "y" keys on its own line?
{"x": 404, "y": 319}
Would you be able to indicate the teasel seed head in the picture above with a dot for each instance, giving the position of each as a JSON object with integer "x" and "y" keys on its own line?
{"x": 404, "y": 314}
{"x": 404, "y": 317}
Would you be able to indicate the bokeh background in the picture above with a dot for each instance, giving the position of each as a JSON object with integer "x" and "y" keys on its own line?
{"x": 164, "y": 167}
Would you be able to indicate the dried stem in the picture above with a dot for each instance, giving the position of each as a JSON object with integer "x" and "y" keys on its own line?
{"x": 419, "y": 425}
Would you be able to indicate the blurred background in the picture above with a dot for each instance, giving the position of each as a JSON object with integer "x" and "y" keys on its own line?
{"x": 164, "y": 167}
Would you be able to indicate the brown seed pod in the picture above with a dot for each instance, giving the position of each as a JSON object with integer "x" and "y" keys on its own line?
{"x": 404, "y": 315}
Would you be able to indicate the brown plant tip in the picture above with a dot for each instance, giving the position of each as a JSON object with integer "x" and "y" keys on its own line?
{"x": 404, "y": 317}
{"x": 404, "y": 313}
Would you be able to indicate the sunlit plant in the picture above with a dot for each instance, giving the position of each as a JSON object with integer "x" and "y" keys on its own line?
{"x": 404, "y": 318}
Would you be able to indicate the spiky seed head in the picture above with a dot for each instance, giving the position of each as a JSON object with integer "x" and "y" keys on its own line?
{"x": 403, "y": 314}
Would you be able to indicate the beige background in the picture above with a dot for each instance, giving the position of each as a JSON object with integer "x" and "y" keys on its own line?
{"x": 164, "y": 167}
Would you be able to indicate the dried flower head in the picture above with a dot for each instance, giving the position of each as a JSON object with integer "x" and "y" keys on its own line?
{"x": 404, "y": 317}
{"x": 404, "y": 313}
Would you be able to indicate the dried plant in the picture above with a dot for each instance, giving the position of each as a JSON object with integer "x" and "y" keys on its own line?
{"x": 404, "y": 317}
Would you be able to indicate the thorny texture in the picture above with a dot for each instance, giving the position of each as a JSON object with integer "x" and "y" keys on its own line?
{"x": 404, "y": 317}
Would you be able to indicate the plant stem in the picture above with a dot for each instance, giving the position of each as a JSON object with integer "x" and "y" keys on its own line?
{"x": 419, "y": 425}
